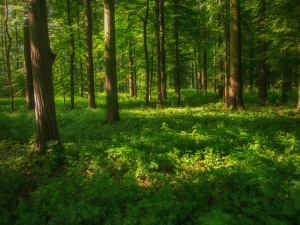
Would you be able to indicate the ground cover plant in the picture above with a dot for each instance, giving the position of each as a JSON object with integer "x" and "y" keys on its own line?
{"x": 199, "y": 163}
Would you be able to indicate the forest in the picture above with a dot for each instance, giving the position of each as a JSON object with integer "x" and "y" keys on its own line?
{"x": 150, "y": 112}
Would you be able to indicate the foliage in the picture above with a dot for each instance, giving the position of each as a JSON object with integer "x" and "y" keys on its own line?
{"x": 194, "y": 164}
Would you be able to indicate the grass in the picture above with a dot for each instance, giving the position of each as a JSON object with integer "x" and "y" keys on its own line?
{"x": 194, "y": 164}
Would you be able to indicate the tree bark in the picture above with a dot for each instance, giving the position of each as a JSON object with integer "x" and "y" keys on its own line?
{"x": 262, "y": 69}
{"x": 72, "y": 56}
{"x": 131, "y": 71}
{"x": 158, "y": 44}
{"x": 28, "y": 69}
{"x": 177, "y": 74}
{"x": 236, "y": 87}
{"x": 112, "y": 105}
{"x": 162, "y": 50}
{"x": 8, "y": 64}
{"x": 145, "y": 22}
{"x": 204, "y": 71}
{"x": 89, "y": 54}
{"x": 42, "y": 59}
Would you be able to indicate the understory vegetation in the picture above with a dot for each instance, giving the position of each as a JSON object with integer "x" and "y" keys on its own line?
{"x": 198, "y": 163}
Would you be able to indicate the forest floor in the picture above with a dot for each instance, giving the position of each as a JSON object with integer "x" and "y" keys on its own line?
{"x": 199, "y": 163}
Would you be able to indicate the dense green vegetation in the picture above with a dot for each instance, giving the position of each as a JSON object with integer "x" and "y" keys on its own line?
{"x": 195, "y": 164}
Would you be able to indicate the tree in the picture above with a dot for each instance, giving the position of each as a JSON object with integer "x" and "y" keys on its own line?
{"x": 8, "y": 65}
{"x": 158, "y": 49}
{"x": 42, "y": 59}
{"x": 235, "y": 95}
{"x": 28, "y": 69}
{"x": 146, "y": 55}
{"x": 176, "y": 36}
{"x": 89, "y": 54}
{"x": 72, "y": 55}
{"x": 262, "y": 69}
{"x": 112, "y": 105}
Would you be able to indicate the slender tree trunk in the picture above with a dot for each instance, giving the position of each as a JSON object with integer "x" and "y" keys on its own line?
{"x": 131, "y": 72}
{"x": 145, "y": 22}
{"x": 81, "y": 77}
{"x": 176, "y": 34}
{"x": 204, "y": 71}
{"x": 235, "y": 95}
{"x": 158, "y": 47}
{"x": 28, "y": 69}
{"x": 298, "y": 106}
{"x": 89, "y": 54}
{"x": 8, "y": 64}
{"x": 112, "y": 105}
{"x": 262, "y": 69}
{"x": 42, "y": 59}
{"x": 286, "y": 74}
{"x": 162, "y": 50}
{"x": 72, "y": 56}
{"x": 196, "y": 66}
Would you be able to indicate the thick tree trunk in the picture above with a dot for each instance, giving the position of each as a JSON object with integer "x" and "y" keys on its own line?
{"x": 42, "y": 60}
{"x": 262, "y": 69}
{"x": 89, "y": 54}
{"x": 28, "y": 69}
{"x": 145, "y": 22}
{"x": 72, "y": 56}
{"x": 8, "y": 65}
{"x": 235, "y": 95}
{"x": 112, "y": 105}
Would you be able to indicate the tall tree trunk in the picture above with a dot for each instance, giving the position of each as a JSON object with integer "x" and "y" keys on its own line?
{"x": 72, "y": 56}
{"x": 42, "y": 59}
{"x": 221, "y": 48}
{"x": 236, "y": 87}
{"x": 145, "y": 22}
{"x": 162, "y": 50}
{"x": 28, "y": 69}
{"x": 176, "y": 34}
{"x": 8, "y": 65}
{"x": 158, "y": 49}
{"x": 262, "y": 69}
{"x": 89, "y": 54}
{"x": 112, "y": 105}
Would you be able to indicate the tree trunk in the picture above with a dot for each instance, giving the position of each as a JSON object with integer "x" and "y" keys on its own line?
{"x": 177, "y": 74}
{"x": 112, "y": 105}
{"x": 145, "y": 22}
{"x": 42, "y": 60}
{"x": 236, "y": 87}
{"x": 28, "y": 69}
{"x": 158, "y": 44}
{"x": 89, "y": 54}
{"x": 131, "y": 72}
{"x": 262, "y": 69}
{"x": 162, "y": 50}
{"x": 8, "y": 65}
{"x": 204, "y": 72}
{"x": 72, "y": 56}
{"x": 287, "y": 77}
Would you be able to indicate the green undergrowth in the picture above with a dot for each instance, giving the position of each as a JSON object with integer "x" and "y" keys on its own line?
{"x": 194, "y": 164}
